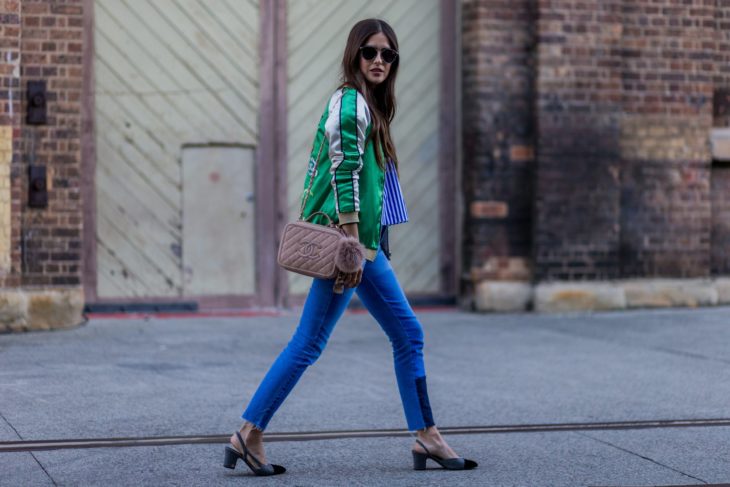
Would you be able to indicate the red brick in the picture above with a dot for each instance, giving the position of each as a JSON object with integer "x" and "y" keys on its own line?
{"x": 488, "y": 209}
{"x": 521, "y": 153}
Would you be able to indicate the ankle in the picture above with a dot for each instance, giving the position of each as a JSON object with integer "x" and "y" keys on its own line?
{"x": 250, "y": 429}
{"x": 249, "y": 434}
{"x": 430, "y": 434}
{"x": 254, "y": 436}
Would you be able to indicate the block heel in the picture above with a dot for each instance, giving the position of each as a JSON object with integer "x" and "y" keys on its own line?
{"x": 419, "y": 460}
{"x": 230, "y": 458}
{"x": 459, "y": 463}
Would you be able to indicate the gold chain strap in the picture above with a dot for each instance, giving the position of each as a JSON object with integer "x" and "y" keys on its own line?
{"x": 311, "y": 180}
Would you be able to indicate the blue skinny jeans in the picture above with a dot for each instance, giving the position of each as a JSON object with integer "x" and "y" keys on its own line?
{"x": 382, "y": 295}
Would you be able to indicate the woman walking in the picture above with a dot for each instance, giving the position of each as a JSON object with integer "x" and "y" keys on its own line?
{"x": 356, "y": 184}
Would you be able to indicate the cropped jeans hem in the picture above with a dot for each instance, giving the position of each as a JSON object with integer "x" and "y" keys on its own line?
{"x": 255, "y": 425}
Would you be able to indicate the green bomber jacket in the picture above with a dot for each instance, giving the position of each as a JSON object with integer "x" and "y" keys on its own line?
{"x": 348, "y": 181}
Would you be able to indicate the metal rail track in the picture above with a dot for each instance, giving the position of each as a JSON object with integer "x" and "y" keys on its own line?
{"x": 76, "y": 443}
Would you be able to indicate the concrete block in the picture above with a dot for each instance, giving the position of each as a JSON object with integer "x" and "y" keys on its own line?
{"x": 502, "y": 296}
{"x": 578, "y": 296}
{"x": 13, "y": 310}
{"x": 722, "y": 286}
{"x": 651, "y": 293}
{"x": 51, "y": 309}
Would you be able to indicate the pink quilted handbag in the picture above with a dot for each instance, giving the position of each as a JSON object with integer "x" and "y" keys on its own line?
{"x": 310, "y": 249}
{"x": 320, "y": 251}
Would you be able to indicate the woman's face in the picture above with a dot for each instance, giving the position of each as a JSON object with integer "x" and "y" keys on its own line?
{"x": 376, "y": 70}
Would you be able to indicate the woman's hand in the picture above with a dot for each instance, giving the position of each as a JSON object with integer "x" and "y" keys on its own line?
{"x": 350, "y": 279}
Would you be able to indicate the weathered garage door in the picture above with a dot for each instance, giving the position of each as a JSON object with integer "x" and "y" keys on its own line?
{"x": 176, "y": 128}
{"x": 317, "y": 32}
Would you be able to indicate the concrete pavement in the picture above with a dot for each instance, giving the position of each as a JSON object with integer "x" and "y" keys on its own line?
{"x": 191, "y": 376}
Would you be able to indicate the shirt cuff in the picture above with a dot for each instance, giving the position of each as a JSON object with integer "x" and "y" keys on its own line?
{"x": 345, "y": 218}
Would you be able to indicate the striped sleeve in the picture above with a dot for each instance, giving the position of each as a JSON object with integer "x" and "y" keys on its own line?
{"x": 394, "y": 205}
{"x": 345, "y": 129}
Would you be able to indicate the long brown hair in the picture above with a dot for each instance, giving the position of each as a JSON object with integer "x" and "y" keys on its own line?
{"x": 381, "y": 97}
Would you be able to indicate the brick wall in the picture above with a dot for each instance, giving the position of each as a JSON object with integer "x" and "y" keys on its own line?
{"x": 721, "y": 61}
{"x": 578, "y": 117}
{"x": 624, "y": 110}
{"x": 51, "y": 50}
{"x": 667, "y": 104}
{"x": 498, "y": 42}
{"x": 9, "y": 60}
{"x": 720, "y": 173}
{"x": 40, "y": 40}
{"x": 9, "y": 132}
{"x": 625, "y": 95}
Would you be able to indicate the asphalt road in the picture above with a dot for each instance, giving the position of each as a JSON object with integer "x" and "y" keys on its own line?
{"x": 607, "y": 399}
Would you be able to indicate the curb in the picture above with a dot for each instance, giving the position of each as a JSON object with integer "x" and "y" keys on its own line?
{"x": 554, "y": 297}
{"x": 40, "y": 309}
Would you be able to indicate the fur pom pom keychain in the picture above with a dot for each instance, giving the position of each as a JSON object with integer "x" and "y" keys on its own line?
{"x": 349, "y": 257}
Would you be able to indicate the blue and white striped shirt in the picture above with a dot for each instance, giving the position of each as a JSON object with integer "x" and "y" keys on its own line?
{"x": 394, "y": 207}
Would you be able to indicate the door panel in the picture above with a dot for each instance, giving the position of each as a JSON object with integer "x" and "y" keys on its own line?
{"x": 218, "y": 220}
{"x": 171, "y": 73}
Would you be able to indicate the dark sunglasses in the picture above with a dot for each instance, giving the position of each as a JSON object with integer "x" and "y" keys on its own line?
{"x": 387, "y": 55}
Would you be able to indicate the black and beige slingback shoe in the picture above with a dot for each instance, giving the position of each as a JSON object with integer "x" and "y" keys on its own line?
{"x": 232, "y": 456}
{"x": 419, "y": 460}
